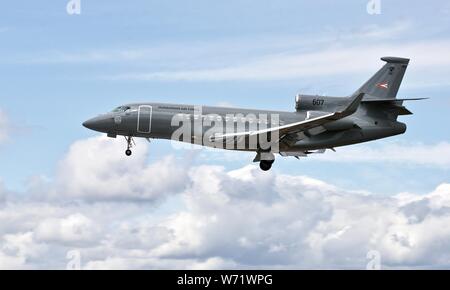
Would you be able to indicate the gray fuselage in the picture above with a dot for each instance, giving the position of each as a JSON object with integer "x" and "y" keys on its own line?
{"x": 159, "y": 120}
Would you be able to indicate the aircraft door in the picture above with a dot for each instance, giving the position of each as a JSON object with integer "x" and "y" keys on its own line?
{"x": 144, "y": 120}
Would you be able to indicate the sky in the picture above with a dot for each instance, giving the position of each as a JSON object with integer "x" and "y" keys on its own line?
{"x": 65, "y": 189}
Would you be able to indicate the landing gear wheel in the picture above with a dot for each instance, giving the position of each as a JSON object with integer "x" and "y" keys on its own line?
{"x": 265, "y": 164}
{"x": 130, "y": 143}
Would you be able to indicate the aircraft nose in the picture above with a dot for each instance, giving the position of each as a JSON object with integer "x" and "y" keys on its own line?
{"x": 91, "y": 123}
{"x": 101, "y": 123}
{"x": 88, "y": 124}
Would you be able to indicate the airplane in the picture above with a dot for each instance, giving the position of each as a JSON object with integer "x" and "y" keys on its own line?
{"x": 317, "y": 124}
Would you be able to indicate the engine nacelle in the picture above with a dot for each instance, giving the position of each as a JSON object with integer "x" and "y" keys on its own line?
{"x": 316, "y": 106}
{"x": 318, "y": 103}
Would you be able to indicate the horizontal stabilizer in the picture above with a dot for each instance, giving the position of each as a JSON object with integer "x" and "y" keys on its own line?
{"x": 393, "y": 106}
{"x": 390, "y": 100}
{"x": 393, "y": 59}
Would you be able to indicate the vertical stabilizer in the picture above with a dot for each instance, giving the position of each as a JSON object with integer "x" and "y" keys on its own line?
{"x": 386, "y": 82}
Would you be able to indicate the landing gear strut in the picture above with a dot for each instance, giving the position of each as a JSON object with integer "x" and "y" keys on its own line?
{"x": 266, "y": 164}
{"x": 130, "y": 143}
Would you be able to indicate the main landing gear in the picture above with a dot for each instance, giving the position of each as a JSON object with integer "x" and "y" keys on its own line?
{"x": 265, "y": 159}
{"x": 130, "y": 143}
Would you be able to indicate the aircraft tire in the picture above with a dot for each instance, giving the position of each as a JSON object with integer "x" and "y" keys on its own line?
{"x": 265, "y": 164}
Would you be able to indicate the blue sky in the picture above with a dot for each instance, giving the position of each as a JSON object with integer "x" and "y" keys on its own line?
{"x": 57, "y": 70}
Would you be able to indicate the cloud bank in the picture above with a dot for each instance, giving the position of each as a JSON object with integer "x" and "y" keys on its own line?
{"x": 333, "y": 60}
{"x": 429, "y": 155}
{"x": 93, "y": 170}
{"x": 156, "y": 216}
{"x": 333, "y": 52}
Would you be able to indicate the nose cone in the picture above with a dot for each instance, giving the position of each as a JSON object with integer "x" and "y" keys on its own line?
{"x": 89, "y": 124}
{"x": 101, "y": 124}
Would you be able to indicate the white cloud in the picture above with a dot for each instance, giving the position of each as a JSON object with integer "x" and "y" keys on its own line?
{"x": 376, "y": 32}
{"x": 243, "y": 218}
{"x": 432, "y": 155}
{"x": 332, "y": 52}
{"x": 339, "y": 52}
{"x": 413, "y": 154}
{"x": 97, "y": 169}
{"x": 332, "y": 60}
{"x": 216, "y": 49}
{"x": 292, "y": 221}
{"x": 18, "y": 248}
{"x": 74, "y": 229}
{"x": 11, "y": 262}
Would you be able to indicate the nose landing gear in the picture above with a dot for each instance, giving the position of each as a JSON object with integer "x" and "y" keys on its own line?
{"x": 130, "y": 143}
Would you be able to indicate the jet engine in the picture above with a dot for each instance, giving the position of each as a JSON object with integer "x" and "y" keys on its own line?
{"x": 316, "y": 106}
{"x": 318, "y": 103}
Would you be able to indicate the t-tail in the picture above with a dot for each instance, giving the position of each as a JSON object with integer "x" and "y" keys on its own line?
{"x": 386, "y": 82}
{"x": 380, "y": 91}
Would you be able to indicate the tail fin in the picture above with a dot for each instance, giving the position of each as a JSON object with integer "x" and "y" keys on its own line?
{"x": 386, "y": 82}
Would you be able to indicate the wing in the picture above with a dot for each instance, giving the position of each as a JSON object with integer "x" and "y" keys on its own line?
{"x": 298, "y": 126}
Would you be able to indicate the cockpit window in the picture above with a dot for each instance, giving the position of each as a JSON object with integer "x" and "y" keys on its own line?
{"x": 121, "y": 109}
